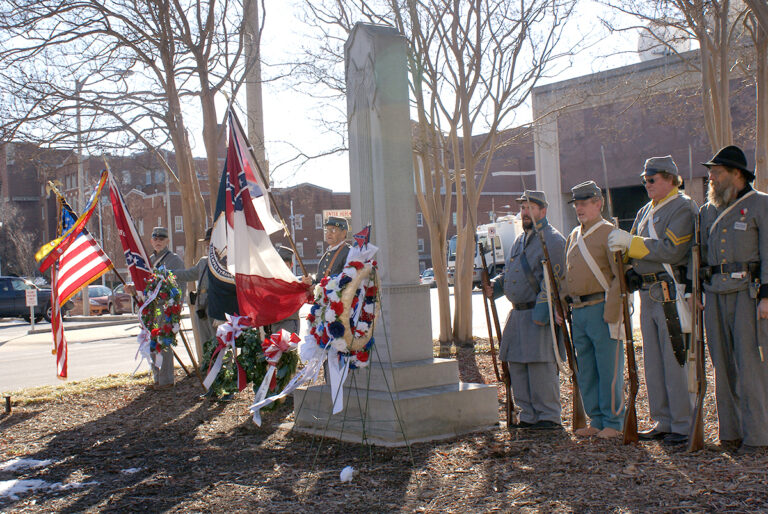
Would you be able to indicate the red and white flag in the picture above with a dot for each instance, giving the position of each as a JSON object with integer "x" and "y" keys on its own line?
{"x": 135, "y": 254}
{"x": 267, "y": 290}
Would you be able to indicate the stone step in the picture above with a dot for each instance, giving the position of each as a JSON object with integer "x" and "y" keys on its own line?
{"x": 425, "y": 414}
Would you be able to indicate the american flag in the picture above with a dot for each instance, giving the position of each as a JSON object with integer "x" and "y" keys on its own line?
{"x": 83, "y": 262}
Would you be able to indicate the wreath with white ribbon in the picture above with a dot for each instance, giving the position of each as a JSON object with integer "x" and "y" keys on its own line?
{"x": 341, "y": 325}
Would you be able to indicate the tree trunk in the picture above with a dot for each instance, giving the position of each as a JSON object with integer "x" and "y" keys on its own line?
{"x": 211, "y": 140}
{"x": 761, "y": 143}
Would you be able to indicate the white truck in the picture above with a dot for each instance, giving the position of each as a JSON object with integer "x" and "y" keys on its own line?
{"x": 496, "y": 239}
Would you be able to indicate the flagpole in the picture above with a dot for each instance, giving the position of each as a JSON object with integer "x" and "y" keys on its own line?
{"x": 286, "y": 232}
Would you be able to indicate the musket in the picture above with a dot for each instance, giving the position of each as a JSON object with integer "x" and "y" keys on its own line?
{"x": 630, "y": 412}
{"x": 486, "y": 279}
{"x": 696, "y": 437}
{"x": 579, "y": 417}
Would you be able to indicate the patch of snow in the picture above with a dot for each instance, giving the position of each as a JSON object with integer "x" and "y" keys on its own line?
{"x": 20, "y": 464}
{"x": 347, "y": 474}
{"x": 130, "y": 471}
{"x": 13, "y": 488}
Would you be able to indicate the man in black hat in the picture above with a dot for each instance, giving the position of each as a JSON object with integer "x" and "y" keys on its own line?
{"x": 659, "y": 247}
{"x": 734, "y": 252}
{"x": 162, "y": 256}
{"x": 198, "y": 299}
{"x": 335, "y": 256}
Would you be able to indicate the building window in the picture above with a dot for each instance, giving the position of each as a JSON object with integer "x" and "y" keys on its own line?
{"x": 148, "y": 178}
{"x": 454, "y": 219}
{"x": 420, "y": 243}
{"x": 159, "y": 222}
{"x": 178, "y": 223}
{"x": 140, "y": 226}
{"x": 419, "y": 219}
{"x": 300, "y": 249}
{"x": 319, "y": 248}
{"x": 159, "y": 178}
{"x": 180, "y": 251}
{"x": 297, "y": 224}
{"x": 319, "y": 221}
{"x": 126, "y": 177}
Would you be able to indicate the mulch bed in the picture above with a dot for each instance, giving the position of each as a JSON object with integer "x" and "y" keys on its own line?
{"x": 201, "y": 455}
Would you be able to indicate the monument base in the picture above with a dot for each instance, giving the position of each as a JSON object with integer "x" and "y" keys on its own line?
{"x": 397, "y": 418}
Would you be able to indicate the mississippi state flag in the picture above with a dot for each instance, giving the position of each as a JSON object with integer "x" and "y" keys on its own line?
{"x": 267, "y": 290}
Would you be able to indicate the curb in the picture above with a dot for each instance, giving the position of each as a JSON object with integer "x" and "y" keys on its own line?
{"x": 102, "y": 321}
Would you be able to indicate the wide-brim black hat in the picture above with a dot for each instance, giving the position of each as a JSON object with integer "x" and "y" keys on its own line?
{"x": 733, "y": 157}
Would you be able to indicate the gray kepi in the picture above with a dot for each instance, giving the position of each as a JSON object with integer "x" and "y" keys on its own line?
{"x": 656, "y": 165}
{"x": 537, "y": 197}
{"x": 585, "y": 191}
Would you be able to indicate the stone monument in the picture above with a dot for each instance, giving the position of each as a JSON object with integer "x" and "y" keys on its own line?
{"x": 406, "y": 394}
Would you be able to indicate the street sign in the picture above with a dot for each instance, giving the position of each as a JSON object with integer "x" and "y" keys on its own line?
{"x": 491, "y": 232}
{"x": 339, "y": 213}
{"x": 31, "y": 297}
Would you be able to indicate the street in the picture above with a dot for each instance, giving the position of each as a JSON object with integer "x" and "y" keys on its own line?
{"x": 26, "y": 360}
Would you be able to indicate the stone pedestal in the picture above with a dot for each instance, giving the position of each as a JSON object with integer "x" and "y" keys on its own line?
{"x": 405, "y": 393}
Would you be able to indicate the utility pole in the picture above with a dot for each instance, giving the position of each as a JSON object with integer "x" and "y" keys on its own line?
{"x": 81, "y": 180}
{"x": 293, "y": 234}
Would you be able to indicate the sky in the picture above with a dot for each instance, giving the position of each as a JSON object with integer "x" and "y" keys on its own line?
{"x": 291, "y": 116}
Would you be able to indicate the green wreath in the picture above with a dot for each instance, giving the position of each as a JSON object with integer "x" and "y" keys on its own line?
{"x": 251, "y": 358}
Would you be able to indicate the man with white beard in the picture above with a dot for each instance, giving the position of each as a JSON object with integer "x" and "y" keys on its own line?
{"x": 734, "y": 242}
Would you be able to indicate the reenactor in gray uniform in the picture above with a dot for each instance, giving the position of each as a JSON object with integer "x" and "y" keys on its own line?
{"x": 335, "y": 256}
{"x": 734, "y": 250}
{"x": 198, "y": 299}
{"x": 527, "y": 345}
{"x": 162, "y": 256}
{"x": 658, "y": 247}
{"x": 592, "y": 288}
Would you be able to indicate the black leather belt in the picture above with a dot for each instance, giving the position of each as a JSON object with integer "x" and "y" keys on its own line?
{"x": 586, "y": 298}
{"x": 730, "y": 267}
{"x": 524, "y": 306}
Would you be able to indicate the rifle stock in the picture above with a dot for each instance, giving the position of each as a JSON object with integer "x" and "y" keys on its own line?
{"x": 696, "y": 437}
{"x": 630, "y": 414}
{"x": 504, "y": 378}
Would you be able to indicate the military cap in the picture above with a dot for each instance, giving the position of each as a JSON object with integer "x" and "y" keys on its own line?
{"x": 733, "y": 157}
{"x": 285, "y": 253}
{"x": 159, "y": 232}
{"x": 537, "y": 197}
{"x": 656, "y": 165}
{"x": 335, "y": 221}
{"x": 585, "y": 190}
{"x": 207, "y": 236}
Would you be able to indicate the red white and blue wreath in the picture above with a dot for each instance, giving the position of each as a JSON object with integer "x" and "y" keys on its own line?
{"x": 160, "y": 315}
{"x": 341, "y": 324}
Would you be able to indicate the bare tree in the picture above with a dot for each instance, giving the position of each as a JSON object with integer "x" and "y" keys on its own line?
{"x": 177, "y": 51}
{"x": 16, "y": 243}
{"x": 717, "y": 26}
{"x": 471, "y": 65}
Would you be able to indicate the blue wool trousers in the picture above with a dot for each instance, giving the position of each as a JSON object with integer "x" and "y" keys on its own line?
{"x": 601, "y": 367}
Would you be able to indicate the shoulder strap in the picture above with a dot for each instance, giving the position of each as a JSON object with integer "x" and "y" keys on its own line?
{"x": 726, "y": 211}
{"x": 333, "y": 259}
{"x": 593, "y": 267}
{"x": 528, "y": 272}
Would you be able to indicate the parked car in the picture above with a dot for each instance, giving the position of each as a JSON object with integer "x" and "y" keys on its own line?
{"x": 428, "y": 277}
{"x": 98, "y": 301}
{"x": 120, "y": 302}
{"x": 13, "y": 299}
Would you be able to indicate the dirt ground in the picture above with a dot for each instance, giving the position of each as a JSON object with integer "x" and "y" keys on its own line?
{"x": 189, "y": 454}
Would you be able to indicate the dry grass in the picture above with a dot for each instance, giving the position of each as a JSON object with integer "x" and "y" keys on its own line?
{"x": 43, "y": 394}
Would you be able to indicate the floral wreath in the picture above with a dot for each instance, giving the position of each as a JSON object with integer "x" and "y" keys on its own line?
{"x": 344, "y": 311}
{"x": 162, "y": 314}
{"x": 253, "y": 361}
